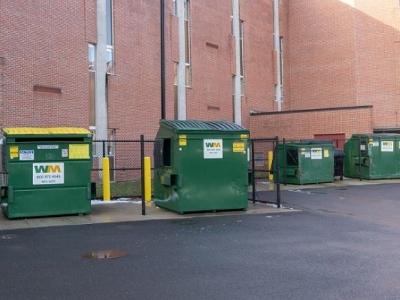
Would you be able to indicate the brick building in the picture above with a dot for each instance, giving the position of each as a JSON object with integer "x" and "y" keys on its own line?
{"x": 342, "y": 70}
{"x": 340, "y": 62}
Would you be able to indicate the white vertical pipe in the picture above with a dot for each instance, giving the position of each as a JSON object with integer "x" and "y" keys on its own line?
{"x": 237, "y": 100}
{"x": 182, "y": 61}
{"x": 101, "y": 72}
{"x": 278, "y": 86}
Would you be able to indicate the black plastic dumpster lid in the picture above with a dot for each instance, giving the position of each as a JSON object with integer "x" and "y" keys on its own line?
{"x": 194, "y": 125}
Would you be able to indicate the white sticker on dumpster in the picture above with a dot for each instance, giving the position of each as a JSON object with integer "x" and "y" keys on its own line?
{"x": 316, "y": 153}
{"x": 26, "y": 155}
{"x": 47, "y": 147}
{"x": 387, "y": 146}
{"x": 48, "y": 173}
{"x": 212, "y": 148}
{"x": 64, "y": 152}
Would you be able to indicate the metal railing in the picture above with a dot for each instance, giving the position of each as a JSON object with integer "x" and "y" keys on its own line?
{"x": 261, "y": 168}
{"x": 126, "y": 166}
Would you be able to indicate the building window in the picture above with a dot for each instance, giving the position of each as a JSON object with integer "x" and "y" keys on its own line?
{"x": 175, "y": 7}
{"x": 233, "y": 97}
{"x": 188, "y": 44}
{"x": 241, "y": 49}
{"x": 110, "y": 34}
{"x": 242, "y": 56}
{"x": 110, "y": 53}
{"x": 92, "y": 57}
{"x": 92, "y": 80}
{"x": 176, "y": 90}
{"x": 109, "y": 24}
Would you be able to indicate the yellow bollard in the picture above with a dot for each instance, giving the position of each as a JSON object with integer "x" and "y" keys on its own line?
{"x": 270, "y": 159}
{"x": 147, "y": 180}
{"x": 106, "y": 179}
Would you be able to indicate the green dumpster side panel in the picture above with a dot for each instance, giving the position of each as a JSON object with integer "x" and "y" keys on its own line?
{"x": 48, "y": 174}
{"x": 306, "y": 163}
{"x": 192, "y": 183}
{"x": 372, "y": 156}
{"x": 47, "y": 202}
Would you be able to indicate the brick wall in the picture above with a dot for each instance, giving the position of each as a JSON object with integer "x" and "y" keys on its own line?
{"x": 304, "y": 125}
{"x": 258, "y": 64}
{"x": 377, "y": 41}
{"x": 45, "y": 43}
{"x": 210, "y": 96}
{"x": 40, "y": 45}
{"x": 336, "y": 53}
{"x": 322, "y": 57}
{"x": 134, "y": 89}
{"x": 345, "y": 53}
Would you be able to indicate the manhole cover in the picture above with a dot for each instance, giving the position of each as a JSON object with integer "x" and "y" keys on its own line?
{"x": 105, "y": 254}
{"x": 8, "y": 236}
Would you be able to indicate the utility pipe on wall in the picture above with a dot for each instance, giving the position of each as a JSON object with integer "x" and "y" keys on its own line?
{"x": 162, "y": 46}
{"x": 101, "y": 72}
{"x": 182, "y": 61}
{"x": 237, "y": 98}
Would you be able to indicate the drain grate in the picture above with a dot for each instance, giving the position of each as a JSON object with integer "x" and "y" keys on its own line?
{"x": 105, "y": 254}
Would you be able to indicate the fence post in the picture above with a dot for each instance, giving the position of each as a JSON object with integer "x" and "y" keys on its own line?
{"x": 284, "y": 160}
{"x": 142, "y": 173}
{"x": 253, "y": 176}
{"x": 359, "y": 158}
{"x": 277, "y": 175}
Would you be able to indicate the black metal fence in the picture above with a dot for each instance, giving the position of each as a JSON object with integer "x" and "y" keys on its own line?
{"x": 126, "y": 168}
{"x": 127, "y": 156}
{"x": 126, "y": 165}
{"x": 265, "y": 185}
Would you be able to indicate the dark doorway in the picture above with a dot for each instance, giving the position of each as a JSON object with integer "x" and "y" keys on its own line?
{"x": 338, "y": 139}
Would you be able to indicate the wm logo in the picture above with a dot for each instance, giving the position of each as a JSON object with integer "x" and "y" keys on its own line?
{"x": 48, "y": 169}
{"x": 213, "y": 145}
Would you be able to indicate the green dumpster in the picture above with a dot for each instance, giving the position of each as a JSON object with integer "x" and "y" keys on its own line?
{"x": 48, "y": 171}
{"x": 306, "y": 162}
{"x": 372, "y": 156}
{"x": 201, "y": 166}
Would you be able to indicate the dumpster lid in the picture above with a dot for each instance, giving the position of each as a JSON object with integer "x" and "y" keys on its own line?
{"x": 45, "y": 131}
{"x": 304, "y": 143}
{"x": 194, "y": 125}
{"x": 376, "y": 135}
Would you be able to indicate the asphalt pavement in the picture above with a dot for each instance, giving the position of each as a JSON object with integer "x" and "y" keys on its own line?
{"x": 334, "y": 249}
{"x": 379, "y": 204}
